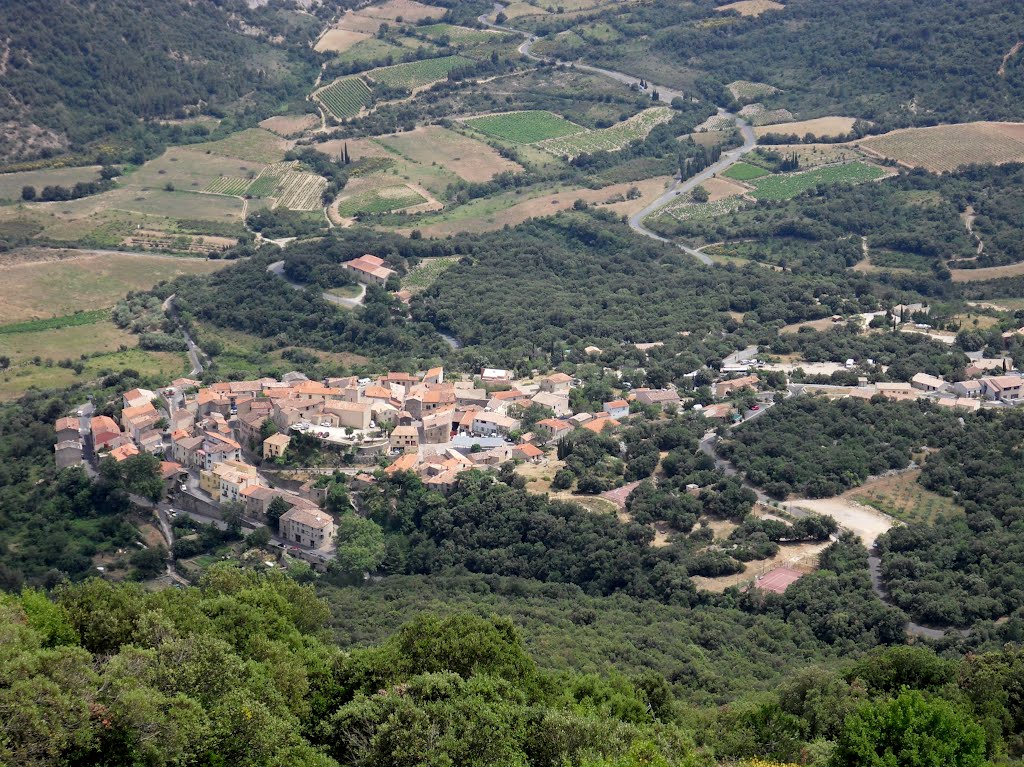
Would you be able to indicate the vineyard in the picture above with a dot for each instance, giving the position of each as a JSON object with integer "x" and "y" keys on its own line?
{"x": 525, "y": 127}
{"x": 253, "y": 144}
{"x": 346, "y": 97}
{"x": 269, "y": 180}
{"x": 715, "y": 123}
{"x": 416, "y": 74}
{"x": 744, "y": 90}
{"x": 784, "y": 186}
{"x": 383, "y": 200}
{"x": 302, "y": 191}
{"x": 947, "y": 147}
{"x": 456, "y": 34}
{"x": 229, "y": 185}
{"x": 425, "y": 274}
{"x": 684, "y": 211}
{"x": 609, "y": 139}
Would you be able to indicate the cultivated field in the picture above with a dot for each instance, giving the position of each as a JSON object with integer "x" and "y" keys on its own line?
{"x": 821, "y": 126}
{"x": 987, "y": 273}
{"x": 38, "y": 283}
{"x": 745, "y": 90}
{"x": 254, "y": 144}
{"x": 752, "y": 7}
{"x": 66, "y": 343}
{"x": 715, "y": 123}
{"x": 902, "y": 497}
{"x": 338, "y": 40}
{"x": 287, "y": 125}
{"x": 813, "y": 155}
{"x": 947, "y": 147}
{"x": 466, "y": 157}
{"x": 381, "y": 200}
{"x": 744, "y": 171}
{"x": 784, "y": 186}
{"x": 685, "y": 210}
{"x": 406, "y": 10}
{"x": 416, "y": 74}
{"x": 189, "y": 170}
{"x": 456, "y": 34}
{"x": 12, "y": 183}
{"x": 344, "y": 98}
{"x": 525, "y": 127}
{"x": 758, "y": 115}
{"x": 609, "y": 139}
{"x": 301, "y": 191}
{"x": 719, "y": 188}
{"x": 426, "y": 272}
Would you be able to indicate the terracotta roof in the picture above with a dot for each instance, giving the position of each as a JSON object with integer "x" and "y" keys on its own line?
{"x": 102, "y": 424}
{"x": 315, "y": 519}
{"x": 125, "y": 451}
{"x": 278, "y": 439}
{"x": 406, "y": 462}
{"x": 553, "y": 424}
{"x": 70, "y": 422}
{"x": 599, "y": 424}
{"x": 226, "y": 441}
{"x": 559, "y": 378}
{"x": 616, "y": 403}
{"x": 169, "y": 468}
{"x": 529, "y": 451}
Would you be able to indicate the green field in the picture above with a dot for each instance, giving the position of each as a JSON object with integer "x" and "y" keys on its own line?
{"x": 383, "y": 200}
{"x": 265, "y": 185}
{"x": 609, "y": 139}
{"x": 784, "y": 186}
{"x": 253, "y": 144}
{"x": 525, "y": 127}
{"x": 345, "y": 97}
{"x": 12, "y": 183}
{"x": 744, "y": 171}
{"x": 416, "y": 74}
{"x": 54, "y": 323}
{"x": 457, "y": 35}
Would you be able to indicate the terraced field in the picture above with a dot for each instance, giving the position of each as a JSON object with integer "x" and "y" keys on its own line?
{"x": 784, "y": 186}
{"x": 609, "y": 139}
{"x": 416, "y": 74}
{"x": 382, "y": 200}
{"x": 346, "y": 97}
{"x": 526, "y": 127}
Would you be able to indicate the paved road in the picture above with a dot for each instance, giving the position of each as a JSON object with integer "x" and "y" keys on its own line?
{"x": 195, "y": 354}
{"x": 349, "y": 303}
{"x": 666, "y": 95}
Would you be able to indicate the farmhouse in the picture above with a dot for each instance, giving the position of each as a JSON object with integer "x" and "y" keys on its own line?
{"x": 925, "y": 382}
{"x": 491, "y": 424}
{"x": 370, "y": 269}
{"x": 617, "y": 408}
{"x": 725, "y": 388}
{"x": 1006, "y": 389}
{"x": 553, "y": 430}
{"x": 68, "y": 429}
{"x": 104, "y": 431}
{"x": 405, "y": 439}
{"x": 660, "y": 398}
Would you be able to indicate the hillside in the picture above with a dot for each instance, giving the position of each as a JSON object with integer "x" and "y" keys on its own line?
{"x": 82, "y": 72}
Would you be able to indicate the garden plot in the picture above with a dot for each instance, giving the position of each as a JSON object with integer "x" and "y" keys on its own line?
{"x": 527, "y": 127}
{"x": 947, "y": 147}
{"x": 301, "y": 191}
{"x": 609, "y": 139}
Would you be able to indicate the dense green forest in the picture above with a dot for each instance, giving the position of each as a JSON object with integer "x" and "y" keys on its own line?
{"x": 241, "y": 671}
{"x": 88, "y": 74}
{"x": 892, "y": 62}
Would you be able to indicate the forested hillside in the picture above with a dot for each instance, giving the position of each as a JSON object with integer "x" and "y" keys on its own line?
{"x": 81, "y": 72}
{"x": 892, "y": 62}
{"x": 240, "y": 671}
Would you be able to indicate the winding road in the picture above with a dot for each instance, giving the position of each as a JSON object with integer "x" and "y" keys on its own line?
{"x": 665, "y": 95}
{"x": 349, "y": 303}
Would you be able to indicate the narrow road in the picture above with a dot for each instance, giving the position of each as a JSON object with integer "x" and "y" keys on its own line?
{"x": 195, "y": 354}
{"x": 665, "y": 95}
{"x": 349, "y": 303}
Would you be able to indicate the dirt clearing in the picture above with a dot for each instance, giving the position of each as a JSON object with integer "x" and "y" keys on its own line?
{"x": 902, "y": 496}
{"x": 987, "y": 273}
{"x": 406, "y": 10}
{"x": 803, "y": 555}
{"x": 865, "y": 521}
{"x": 286, "y": 125}
{"x": 339, "y": 40}
{"x": 821, "y": 126}
{"x": 467, "y": 158}
{"x": 719, "y": 188}
{"x": 752, "y": 7}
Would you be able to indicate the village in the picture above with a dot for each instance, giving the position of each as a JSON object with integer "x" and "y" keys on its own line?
{"x": 229, "y": 442}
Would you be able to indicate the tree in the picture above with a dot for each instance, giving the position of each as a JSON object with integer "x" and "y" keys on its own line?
{"x": 277, "y": 507}
{"x": 141, "y": 475}
{"x": 700, "y": 194}
{"x": 259, "y": 537}
{"x": 360, "y": 544}
{"x": 909, "y": 731}
{"x": 28, "y": 193}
